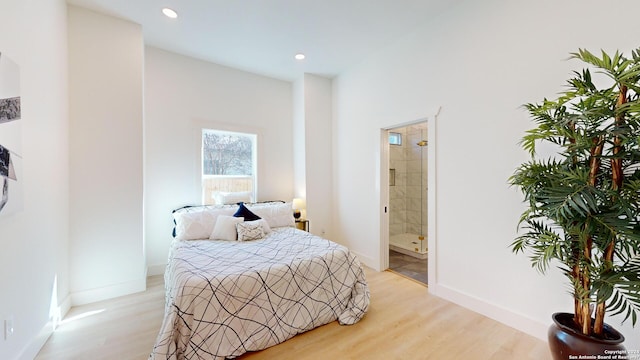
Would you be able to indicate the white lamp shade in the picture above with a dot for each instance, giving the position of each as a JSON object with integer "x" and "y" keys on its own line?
{"x": 298, "y": 204}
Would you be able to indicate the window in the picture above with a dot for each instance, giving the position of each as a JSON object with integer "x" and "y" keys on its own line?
{"x": 228, "y": 167}
{"x": 395, "y": 138}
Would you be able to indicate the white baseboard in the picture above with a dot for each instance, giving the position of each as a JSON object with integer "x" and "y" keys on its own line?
{"x": 64, "y": 307}
{"x": 157, "y": 269}
{"x": 510, "y": 318}
{"x": 108, "y": 292}
{"x": 34, "y": 346}
{"x": 368, "y": 261}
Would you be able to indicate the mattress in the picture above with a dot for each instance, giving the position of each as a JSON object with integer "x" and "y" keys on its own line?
{"x": 225, "y": 298}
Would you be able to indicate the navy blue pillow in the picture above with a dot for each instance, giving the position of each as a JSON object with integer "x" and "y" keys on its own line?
{"x": 246, "y": 213}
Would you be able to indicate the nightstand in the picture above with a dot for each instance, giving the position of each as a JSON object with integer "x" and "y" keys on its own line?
{"x": 302, "y": 224}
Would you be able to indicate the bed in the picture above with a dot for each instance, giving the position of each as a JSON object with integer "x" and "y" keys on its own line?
{"x": 225, "y": 297}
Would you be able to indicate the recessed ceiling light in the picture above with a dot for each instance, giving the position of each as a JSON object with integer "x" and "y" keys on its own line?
{"x": 170, "y": 13}
{"x": 300, "y": 56}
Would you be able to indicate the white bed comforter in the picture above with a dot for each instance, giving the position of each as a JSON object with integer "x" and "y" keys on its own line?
{"x": 224, "y": 298}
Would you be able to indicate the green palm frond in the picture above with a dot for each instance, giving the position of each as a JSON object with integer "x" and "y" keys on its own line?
{"x": 621, "y": 289}
{"x": 543, "y": 241}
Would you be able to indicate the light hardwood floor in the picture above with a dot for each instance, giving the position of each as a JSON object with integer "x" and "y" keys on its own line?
{"x": 403, "y": 322}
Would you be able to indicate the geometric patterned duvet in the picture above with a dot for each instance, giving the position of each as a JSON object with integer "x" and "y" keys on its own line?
{"x": 224, "y": 298}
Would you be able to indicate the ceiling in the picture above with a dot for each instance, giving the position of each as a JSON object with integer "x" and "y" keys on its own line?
{"x": 262, "y": 36}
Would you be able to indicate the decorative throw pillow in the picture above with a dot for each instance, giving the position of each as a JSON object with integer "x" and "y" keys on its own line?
{"x": 265, "y": 225}
{"x": 251, "y": 230}
{"x": 225, "y": 228}
{"x": 246, "y": 213}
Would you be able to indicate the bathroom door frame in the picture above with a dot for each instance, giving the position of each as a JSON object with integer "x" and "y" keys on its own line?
{"x": 431, "y": 195}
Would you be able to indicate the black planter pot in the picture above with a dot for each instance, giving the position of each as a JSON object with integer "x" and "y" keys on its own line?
{"x": 567, "y": 343}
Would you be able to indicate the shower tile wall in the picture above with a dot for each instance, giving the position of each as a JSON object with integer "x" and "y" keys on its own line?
{"x": 408, "y": 197}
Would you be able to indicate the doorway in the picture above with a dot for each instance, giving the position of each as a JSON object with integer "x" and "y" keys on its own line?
{"x": 407, "y": 194}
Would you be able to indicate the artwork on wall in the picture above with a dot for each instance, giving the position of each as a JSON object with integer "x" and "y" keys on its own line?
{"x": 11, "y": 181}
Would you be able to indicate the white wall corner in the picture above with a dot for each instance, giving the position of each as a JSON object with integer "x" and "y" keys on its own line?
{"x": 368, "y": 260}
{"x": 108, "y": 292}
{"x": 64, "y": 308}
{"x": 157, "y": 269}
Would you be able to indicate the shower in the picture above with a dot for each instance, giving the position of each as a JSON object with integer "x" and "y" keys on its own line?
{"x": 407, "y": 191}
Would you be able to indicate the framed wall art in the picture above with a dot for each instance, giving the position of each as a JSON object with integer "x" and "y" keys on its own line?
{"x": 11, "y": 182}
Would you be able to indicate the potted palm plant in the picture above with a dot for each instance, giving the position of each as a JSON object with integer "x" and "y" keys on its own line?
{"x": 583, "y": 201}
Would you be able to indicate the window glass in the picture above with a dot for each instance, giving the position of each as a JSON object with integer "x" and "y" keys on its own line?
{"x": 395, "y": 138}
{"x": 228, "y": 167}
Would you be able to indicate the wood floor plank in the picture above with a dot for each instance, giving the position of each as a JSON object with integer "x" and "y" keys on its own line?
{"x": 403, "y": 322}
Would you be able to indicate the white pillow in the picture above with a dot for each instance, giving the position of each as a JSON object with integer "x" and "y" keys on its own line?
{"x": 225, "y": 228}
{"x": 224, "y": 198}
{"x": 276, "y": 214}
{"x": 193, "y": 223}
{"x": 249, "y": 230}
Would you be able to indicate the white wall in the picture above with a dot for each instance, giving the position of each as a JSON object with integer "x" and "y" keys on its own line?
{"x": 318, "y": 144}
{"x": 106, "y": 68}
{"x": 312, "y": 150}
{"x": 34, "y": 240}
{"x": 480, "y": 62}
{"x": 183, "y": 95}
{"x": 299, "y": 139}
